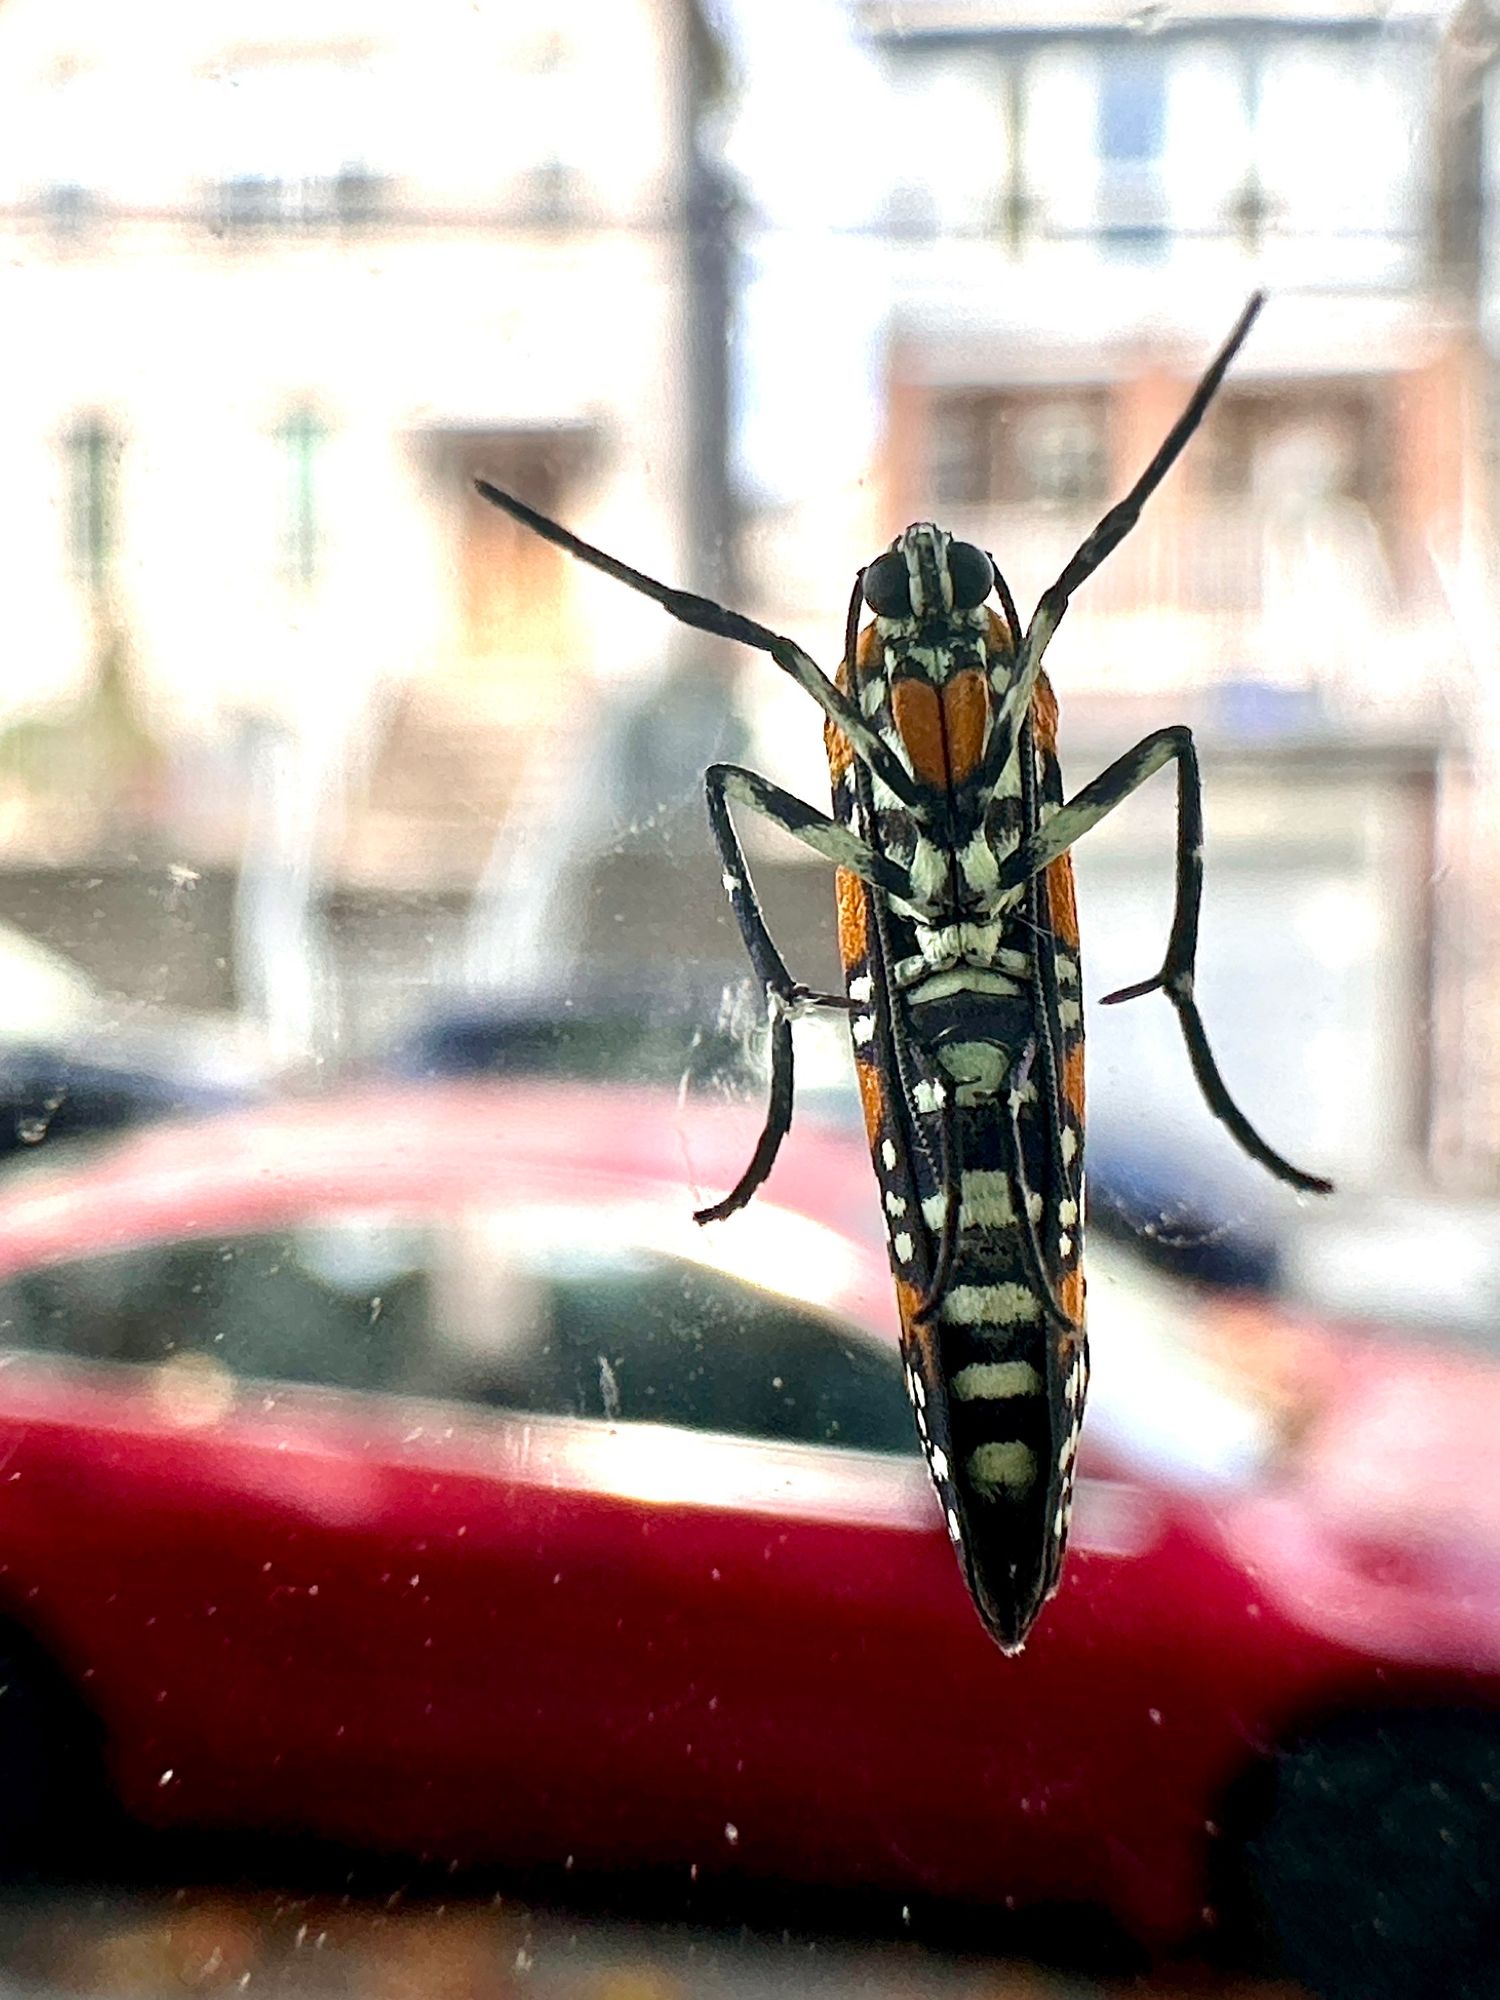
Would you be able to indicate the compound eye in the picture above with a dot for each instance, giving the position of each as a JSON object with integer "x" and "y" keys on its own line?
{"x": 887, "y": 586}
{"x": 971, "y": 573}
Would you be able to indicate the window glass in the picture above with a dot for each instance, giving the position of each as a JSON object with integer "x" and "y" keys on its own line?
{"x": 325, "y": 1305}
{"x": 359, "y": 905}
{"x": 652, "y": 1339}
{"x": 624, "y": 1332}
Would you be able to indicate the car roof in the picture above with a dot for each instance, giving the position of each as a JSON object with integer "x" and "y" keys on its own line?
{"x": 433, "y": 1146}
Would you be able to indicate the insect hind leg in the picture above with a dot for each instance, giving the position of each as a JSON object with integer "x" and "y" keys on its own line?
{"x": 785, "y": 997}
{"x": 1021, "y": 1197}
{"x": 1069, "y": 823}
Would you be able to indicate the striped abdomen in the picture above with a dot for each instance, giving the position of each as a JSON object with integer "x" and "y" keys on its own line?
{"x": 995, "y": 1352}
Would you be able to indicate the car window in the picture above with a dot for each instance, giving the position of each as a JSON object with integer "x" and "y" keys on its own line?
{"x": 640, "y": 1336}
{"x": 480, "y": 1310}
{"x": 325, "y": 1306}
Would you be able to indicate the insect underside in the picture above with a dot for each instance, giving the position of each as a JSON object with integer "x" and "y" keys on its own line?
{"x": 959, "y": 938}
{"x": 968, "y": 1040}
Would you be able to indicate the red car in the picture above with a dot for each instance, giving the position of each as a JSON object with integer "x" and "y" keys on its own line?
{"x": 408, "y": 1469}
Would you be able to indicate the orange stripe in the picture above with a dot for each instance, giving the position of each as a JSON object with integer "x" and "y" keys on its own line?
{"x": 918, "y": 716}
{"x": 920, "y": 1334}
{"x": 835, "y": 742}
{"x": 872, "y": 1098}
{"x": 966, "y": 715}
{"x": 1070, "y": 1298}
{"x": 1062, "y": 903}
{"x": 1072, "y": 1081}
{"x": 998, "y": 639}
{"x": 854, "y": 921}
{"x": 854, "y": 949}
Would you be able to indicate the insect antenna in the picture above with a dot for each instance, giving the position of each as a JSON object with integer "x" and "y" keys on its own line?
{"x": 1012, "y": 616}
{"x": 851, "y": 626}
{"x": 1122, "y": 517}
{"x": 704, "y": 615}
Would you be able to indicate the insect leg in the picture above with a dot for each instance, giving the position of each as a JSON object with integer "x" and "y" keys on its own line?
{"x": 803, "y": 822}
{"x": 1031, "y": 1248}
{"x": 1175, "y": 978}
{"x": 785, "y": 998}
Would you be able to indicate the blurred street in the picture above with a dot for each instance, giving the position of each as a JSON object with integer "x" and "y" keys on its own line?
{"x": 163, "y": 1945}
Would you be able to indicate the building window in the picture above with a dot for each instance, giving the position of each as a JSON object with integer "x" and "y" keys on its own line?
{"x": 1297, "y": 446}
{"x": 248, "y": 202}
{"x": 68, "y": 209}
{"x": 91, "y": 452}
{"x": 1132, "y": 111}
{"x": 1131, "y": 132}
{"x": 551, "y": 195}
{"x": 301, "y": 437}
{"x": 261, "y": 204}
{"x": 1011, "y": 448}
{"x": 512, "y": 586}
{"x": 360, "y": 197}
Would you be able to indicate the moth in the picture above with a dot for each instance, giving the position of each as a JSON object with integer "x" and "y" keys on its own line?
{"x": 958, "y": 930}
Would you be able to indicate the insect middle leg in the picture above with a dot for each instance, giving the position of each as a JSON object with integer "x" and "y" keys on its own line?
{"x": 785, "y": 996}
{"x": 1070, "y": 822}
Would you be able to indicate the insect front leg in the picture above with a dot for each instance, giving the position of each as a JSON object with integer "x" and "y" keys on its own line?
{"x": 1176, "y": 977}
{"x": 785, "y": 997}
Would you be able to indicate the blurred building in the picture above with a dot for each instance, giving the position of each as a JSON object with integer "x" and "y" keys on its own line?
{"x": 275, "y": 284}
{"x": 1078, "y": 201}
{"x": 1099, "y": 194}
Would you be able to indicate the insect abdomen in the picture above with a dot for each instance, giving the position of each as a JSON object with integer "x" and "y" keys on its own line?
{"x": 995, "y": 1354}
